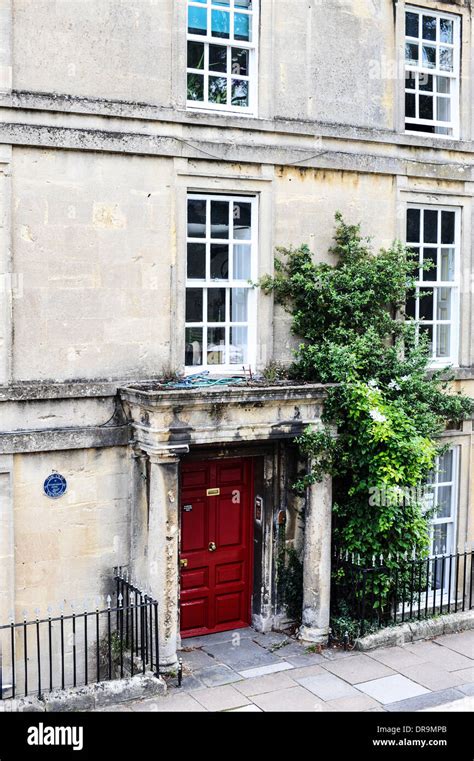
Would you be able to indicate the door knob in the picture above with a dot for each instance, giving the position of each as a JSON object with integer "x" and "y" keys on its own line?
{"x": 183, "y": 562}
{"x": 212, "y": 547}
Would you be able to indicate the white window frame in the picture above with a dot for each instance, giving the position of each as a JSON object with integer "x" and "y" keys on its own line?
{"x": 436, "y": 285}
{"x": 228, "y": 284}
{"x": 450, "y": 521}
{"x": 208, "y": 39}
{"x": 454, "y": 76}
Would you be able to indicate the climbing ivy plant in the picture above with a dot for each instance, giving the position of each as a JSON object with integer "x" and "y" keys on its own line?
{"x": 387, "y": 405}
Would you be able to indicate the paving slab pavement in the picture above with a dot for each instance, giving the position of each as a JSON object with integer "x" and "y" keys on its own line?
{"x": 244, "y": 671}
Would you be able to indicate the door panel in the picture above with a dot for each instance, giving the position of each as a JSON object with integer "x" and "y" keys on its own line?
{"x": 216, "y": 546}
{"x": 230, "y": 520}
{"x": 194, "y": 526}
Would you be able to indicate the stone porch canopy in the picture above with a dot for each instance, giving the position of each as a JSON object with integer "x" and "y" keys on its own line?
{"x": 167, "y": 423}
{"x": 169, "y": 420}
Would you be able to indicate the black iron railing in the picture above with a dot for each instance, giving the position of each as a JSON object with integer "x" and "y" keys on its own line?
{"x": 391, "y": 590}
{"x": 70, "y": 650}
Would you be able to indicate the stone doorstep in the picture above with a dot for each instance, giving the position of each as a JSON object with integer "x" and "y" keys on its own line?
{"x": 89, "y": 697}
{"x": 417, "y": 630}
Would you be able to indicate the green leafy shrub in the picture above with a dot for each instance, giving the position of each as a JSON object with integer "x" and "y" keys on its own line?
{"x": 387, "y": 405}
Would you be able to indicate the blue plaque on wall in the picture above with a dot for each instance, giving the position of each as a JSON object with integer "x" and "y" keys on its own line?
{"x": 55, "y": 486}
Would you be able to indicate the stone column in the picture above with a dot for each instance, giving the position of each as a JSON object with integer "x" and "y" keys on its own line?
{"x": 317, "y": 563}
{"x": 139, "y": 518}
{"x": 162, "y": 551}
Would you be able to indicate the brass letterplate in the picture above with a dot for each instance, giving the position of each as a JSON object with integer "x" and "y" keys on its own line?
{"x": 213, "y": 492}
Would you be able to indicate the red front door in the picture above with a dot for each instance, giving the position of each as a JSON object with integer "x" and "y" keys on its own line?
{"x": 216, "y": 545}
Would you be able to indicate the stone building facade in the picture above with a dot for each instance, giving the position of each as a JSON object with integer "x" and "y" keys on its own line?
{"x": 153, "y": 153}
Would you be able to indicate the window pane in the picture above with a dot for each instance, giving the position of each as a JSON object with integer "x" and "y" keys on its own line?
{"x": 446, "y": 59}
{"x": 218, "y": 90}
{"x": 443, "y": 309}
{"x": 426, "y": 82}
{"x": 219, "y": 261}
{"x": 220, "y": 24}
{"x": 219, "y": 219}
{"x": 426, "y": 334}
{"x": 443, "y": 348}
{"x": 429, "y": 56}
{"x": 216, "y": 304}
{"x": 443, "y": 85}
{"x": 193, "y": 350}
{"x": 412, "y": 24}
{"x": 413, "y": 225}
{"x": 426, "y": 304}
{"x": 410, "y": 308}
{"x": 428, "y": 498}
{"x": 410, "y": 106}
{"x": 245, "y": 4}
{"x": 197, "y": 20}
{"x": 410, "y": 79}
{"x": 216, "y": 346}
{"x": 194, "y": 304}
{"x": 440, "y": 539}
{"x": 238, "y": 346}
{"x": 429, "y": 28}
{"x": 195, "y": 87}
{"x": 240, "y": 93}
{"x": 196, "y": 218}
{"x": 443, "y": 109}
{"x": 195, "y": 55}
{"x": 239, "y": 304}
{"x": 447, "y": 226}
{"x": 217, "y": 58}
{"x": 242, "y": 262}
{"x": 415, "y": 259}
{"x": 426, "y": 107}
{"x": 430, "y": 258}
{"x": 429, "y": 128}
{"x": 242, "y": 214}
{"x": 447, "y": 264}
{"x": 242, "y": 26}
{"x": 446, "y": 30}
{"x": 196, "y": 260}
{"x": 411, "y": 52}
{"x": 240, "y": 61}
{"x": 445, "y": 467}
{"x": 430, "y": 226}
